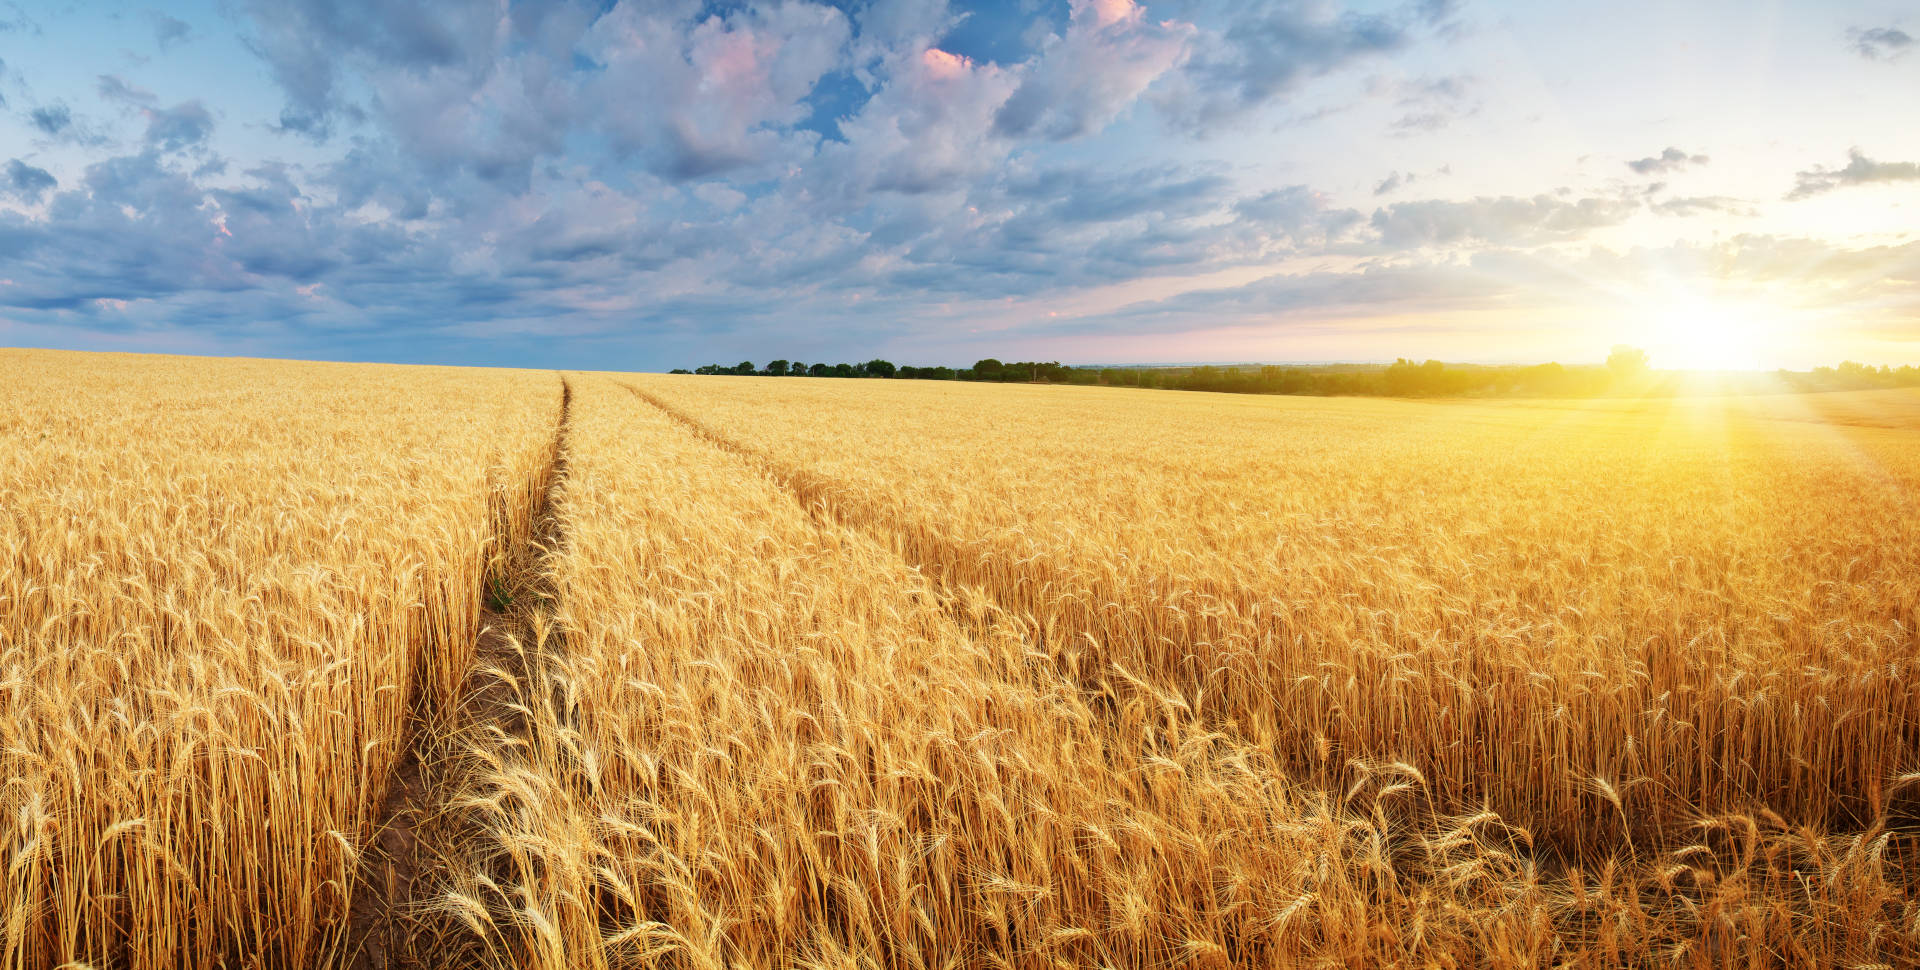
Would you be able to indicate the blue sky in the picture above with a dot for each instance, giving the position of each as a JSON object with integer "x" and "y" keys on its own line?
{"x": 648, "y": 185}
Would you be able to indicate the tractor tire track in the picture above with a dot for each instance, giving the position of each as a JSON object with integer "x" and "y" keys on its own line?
{"x": 395, "y": 923}
{"x": 1170, "y": 672}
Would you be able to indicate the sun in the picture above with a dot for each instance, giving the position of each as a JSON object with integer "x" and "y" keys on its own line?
{"x": 1694, "y": 332}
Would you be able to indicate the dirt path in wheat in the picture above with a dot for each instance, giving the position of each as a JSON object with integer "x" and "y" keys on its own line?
{"x": 395, "y": 924}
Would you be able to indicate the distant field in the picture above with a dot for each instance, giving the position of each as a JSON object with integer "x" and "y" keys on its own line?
{"x": 337, "y": 665}
{"x": 1893, "y": 408}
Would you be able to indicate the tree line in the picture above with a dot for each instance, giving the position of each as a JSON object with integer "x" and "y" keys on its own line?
{"x": 1626, "y": 369}
{"x": 1853, "y": 376}
{"x": 1403, "y": 378}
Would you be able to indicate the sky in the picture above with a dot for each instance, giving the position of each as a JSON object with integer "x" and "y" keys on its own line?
{"x": 639, "y": 186}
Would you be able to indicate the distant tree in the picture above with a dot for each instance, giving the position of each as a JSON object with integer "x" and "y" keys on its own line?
{"x": 680, "y": 370}
{"x": 1403, "y": 378}
{"x": 1549, "y": 378}
{"x": 1627, "y": 362}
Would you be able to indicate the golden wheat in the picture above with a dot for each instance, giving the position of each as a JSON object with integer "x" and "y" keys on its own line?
{"x": 876, "y": 691}
{"x": 221, "y": 583}
{"x": 1713, "y": 604}
{"x": 921, "y": 675}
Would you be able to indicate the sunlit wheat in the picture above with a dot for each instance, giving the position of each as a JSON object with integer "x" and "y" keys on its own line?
{"x": 221, "y": 584}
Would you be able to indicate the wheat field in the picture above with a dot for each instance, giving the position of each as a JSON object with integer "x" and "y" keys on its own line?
{"x": 718, "y": 672}
{"x": 224, "y": 586}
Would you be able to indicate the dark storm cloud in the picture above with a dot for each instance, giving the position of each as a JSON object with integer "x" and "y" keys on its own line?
{"x": 1859, "y": 170}
{"x": 1670, "y": 160}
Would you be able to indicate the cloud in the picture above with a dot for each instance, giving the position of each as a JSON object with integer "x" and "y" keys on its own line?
{"x": 1397, "y": 180}
{"x": 1860, "y": 170}
{"x": 131, "y": 229}
{"x": 185, "y": 125}
{"x": 1492, "y": 280}
{"x": 1501, "y": 221}
{"x": 900, "y": 24}
{"x": 168, "y": 30}
{"x": 309, "y": 46}
{"x": 694, "y": 170}
{"x": 1670, "y": 160}
{"x": 1438, "y": 12}
{"x": 1083, "y": 80}
{"x": 1305, "y": 298}
{"x": 19, "y": 22}
{"x": 1294, "y": 218}
{"x": 1702, "y": 204}
{"x": 1268, "y": 48}
{"x": 113, "y": 87}
{"x": 1083, "y": 195}
{"x": 725, "y": 91}
{"x": 51, "y": 119}
{"x": 27, "y": 183}
{"x": 930, "y": 128}
{"x": 58, "y": 123}
{"x": 719, "y": 196}
{"x": 1880, "y": 43}
{"x": 1430, "y": 104}
{"x": 1026, "y": 231}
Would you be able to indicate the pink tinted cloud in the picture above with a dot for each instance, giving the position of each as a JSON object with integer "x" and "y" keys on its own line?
{"x": 1106, "y": 13}
{"x": 1084, "y": 79}
{"x": 942, "y": 66}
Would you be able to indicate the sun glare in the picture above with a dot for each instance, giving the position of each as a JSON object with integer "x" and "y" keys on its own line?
{"x": 1701, "y": 333}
